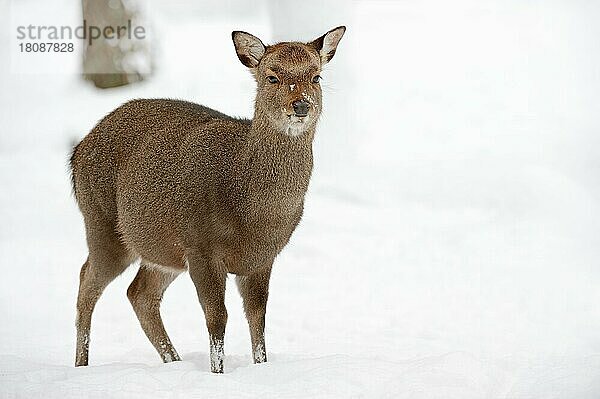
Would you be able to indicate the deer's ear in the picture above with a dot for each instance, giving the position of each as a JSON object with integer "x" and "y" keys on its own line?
{"x": 248, "y": 47}
{"x": 327, "y": 43}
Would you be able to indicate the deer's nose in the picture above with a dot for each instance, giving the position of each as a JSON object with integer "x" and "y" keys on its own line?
{"x": 300, "y": 107}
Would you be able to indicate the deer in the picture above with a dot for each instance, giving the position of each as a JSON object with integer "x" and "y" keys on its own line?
{"x": 179, "y": 186}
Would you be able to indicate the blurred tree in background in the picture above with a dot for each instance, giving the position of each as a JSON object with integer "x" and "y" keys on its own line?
{"x": 117, "y": 61}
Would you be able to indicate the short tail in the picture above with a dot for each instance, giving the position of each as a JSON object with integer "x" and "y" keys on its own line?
{"x": 72, "y": 167}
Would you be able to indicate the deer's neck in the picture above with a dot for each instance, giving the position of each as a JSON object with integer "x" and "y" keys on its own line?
{"x": 275, "y": 168}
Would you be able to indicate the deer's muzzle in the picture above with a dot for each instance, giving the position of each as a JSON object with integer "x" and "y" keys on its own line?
{"x": 300, "y": 107}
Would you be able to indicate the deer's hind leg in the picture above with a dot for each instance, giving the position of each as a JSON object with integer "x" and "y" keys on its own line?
{"x": 145, "y": 294}
{"x": 107, "y": 258}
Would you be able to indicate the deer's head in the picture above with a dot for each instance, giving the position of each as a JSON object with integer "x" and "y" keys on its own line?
{"x": 287, "y": 75}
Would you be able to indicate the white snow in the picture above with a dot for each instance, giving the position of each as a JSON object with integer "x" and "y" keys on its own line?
{"x": 449, "y": 246}
{"x": 217, "y": 353}
{"x": 259, "y": 352}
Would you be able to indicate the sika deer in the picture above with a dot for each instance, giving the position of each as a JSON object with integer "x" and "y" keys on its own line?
{"x": 181, "y": 186}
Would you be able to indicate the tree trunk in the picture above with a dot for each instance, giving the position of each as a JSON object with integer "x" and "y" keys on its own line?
{"x": 117, "y": 61}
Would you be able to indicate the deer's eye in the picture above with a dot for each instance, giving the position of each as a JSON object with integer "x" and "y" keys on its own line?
{"x": 272, "y": 79}
{"x": 316, "y": 79}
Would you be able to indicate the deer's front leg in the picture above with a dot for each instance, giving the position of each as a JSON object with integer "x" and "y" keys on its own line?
{"x": 254, "y": 290}
{"x": 209, "y": 280}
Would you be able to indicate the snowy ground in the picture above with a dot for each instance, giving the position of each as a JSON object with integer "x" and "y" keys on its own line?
{"x": 450, "y": 243}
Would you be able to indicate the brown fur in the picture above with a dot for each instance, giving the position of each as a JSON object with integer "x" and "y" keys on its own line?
{"x": 179, "y": 186}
